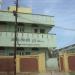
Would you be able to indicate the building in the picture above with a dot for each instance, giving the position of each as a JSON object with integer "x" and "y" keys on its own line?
{"x": 68, "y": 49}
{"x": 32, "y": 42}
{"x": 20, "y": 9}
{"x": 67, "y": 62}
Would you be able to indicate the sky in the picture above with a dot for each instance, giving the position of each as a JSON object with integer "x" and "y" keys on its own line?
{"x": 63, "y": 12}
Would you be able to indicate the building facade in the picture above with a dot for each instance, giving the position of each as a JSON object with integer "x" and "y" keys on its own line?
{"x": 32, "y": 41}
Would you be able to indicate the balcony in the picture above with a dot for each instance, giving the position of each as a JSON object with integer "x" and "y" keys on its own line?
{"x": 27, "y": 40}
{"x": 27, "y": 18}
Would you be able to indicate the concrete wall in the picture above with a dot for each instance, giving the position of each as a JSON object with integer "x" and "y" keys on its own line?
{"x": 27, "y": 18}
{"x": 27, "y": 28}
{"x": 52, "y": 64}
{"x": 40, "y": 59}
{"x": 33, "y": 51}
{"x": 68, "y": 60}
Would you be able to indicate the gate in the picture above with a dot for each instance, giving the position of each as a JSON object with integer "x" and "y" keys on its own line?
{"x": 28, "y": 65}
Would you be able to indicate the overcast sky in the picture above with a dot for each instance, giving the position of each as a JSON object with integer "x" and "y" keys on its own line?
{"x": 63, "y": 12}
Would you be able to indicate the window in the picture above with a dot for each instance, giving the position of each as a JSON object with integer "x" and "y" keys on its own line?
{"x": 22, "y": 53}
{"x": 20, "y": 48}
{"x": 42, "y": 30}
{"x": 35, "y": 49}
{"x": 20, "y": 27}
{"x": 28, "y": 53}
{"x": 34, "y": 25}
{"x": 11, "y": 54}
{"x": 35, "y": 30}
{"x": 2, "y": 50}
{"x": 3, "y": 23}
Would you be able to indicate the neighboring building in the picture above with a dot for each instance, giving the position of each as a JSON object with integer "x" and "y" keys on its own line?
{"x": 32, "y": 42}
{"x": 67, "y": 62}
{"x": 69, "y": 49}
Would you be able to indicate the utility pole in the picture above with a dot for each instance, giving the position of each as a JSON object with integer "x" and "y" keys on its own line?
{"x": 15, "y": 37}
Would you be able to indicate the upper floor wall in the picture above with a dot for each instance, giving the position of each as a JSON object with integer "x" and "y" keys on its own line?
{"x": 27, "y": 18}
{"x": 24, "y": 28}
{"x": 28, "y": 40}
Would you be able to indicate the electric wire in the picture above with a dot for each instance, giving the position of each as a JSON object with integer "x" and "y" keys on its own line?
{"x": 59, "y": 27}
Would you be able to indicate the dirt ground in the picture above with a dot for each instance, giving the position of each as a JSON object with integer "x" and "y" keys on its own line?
{"x": 47, "y": 73}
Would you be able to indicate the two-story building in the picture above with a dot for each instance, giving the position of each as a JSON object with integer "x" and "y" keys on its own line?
{"x": 32, "y": 41}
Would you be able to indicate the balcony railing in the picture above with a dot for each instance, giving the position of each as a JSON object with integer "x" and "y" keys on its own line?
{"x": 27, "y": 18}
{"x": 27, "y": 40}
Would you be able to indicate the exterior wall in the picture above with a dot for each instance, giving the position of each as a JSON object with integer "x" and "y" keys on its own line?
{"x": 52, "y": 64}
{"x": 42, "y": 63}
{"x": 63, "y": 59}
{"x": 61, "y": 63}
{"x": 43, "y": 20}
{"x": 9, "y": 50}
{"x": 10, "y": 27}
{"x": 68, "y": 60}
{"x": 44, "y": 38}
{"x": 6, "y": 64}
{"x": 27, "y": 28}
{"x": 21, "y": 9}
{"x": 39, "y": 58}
{"x": 28, "y": 40}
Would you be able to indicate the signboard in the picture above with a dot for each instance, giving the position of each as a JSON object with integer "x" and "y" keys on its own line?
{"x": 27, "y": 40}
{"x": 30, "y": 41}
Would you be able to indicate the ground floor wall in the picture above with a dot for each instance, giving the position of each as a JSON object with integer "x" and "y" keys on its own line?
{"x": 67, "y": 62}
{"x": 30, "y": 63}
{"x": 9, "y": 51}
